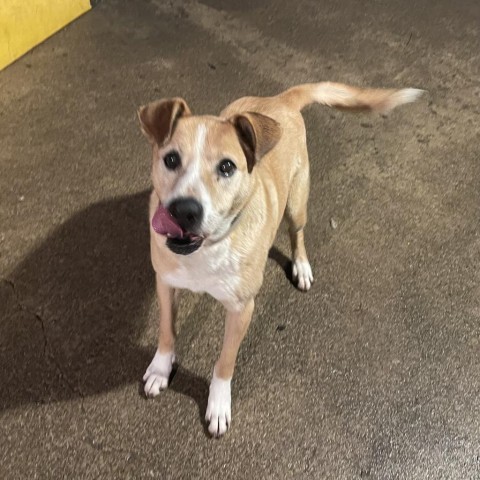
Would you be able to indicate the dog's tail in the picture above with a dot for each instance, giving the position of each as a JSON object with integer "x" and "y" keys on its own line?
{"x": 345, "y": 97}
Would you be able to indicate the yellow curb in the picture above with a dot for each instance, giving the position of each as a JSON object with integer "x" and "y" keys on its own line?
{"x": 26, "y": 23}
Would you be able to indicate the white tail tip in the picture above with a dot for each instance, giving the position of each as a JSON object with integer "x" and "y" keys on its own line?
{"x": 408, "y": 95}
{"x": 400, "y": 97}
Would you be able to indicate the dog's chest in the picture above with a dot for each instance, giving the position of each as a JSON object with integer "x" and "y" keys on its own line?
{"x": 214, "y": 269}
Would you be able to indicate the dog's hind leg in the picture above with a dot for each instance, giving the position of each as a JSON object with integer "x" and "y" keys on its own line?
{"x": 296, "y": 215}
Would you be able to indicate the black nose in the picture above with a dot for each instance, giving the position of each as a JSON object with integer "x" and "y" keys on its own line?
{"x": 187, "y": 212}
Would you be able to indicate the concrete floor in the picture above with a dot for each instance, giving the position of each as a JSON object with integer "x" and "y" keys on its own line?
{"x": 375, "y": 373}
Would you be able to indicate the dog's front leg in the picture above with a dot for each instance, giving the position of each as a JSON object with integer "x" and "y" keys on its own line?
{"x": 158, "y": 372}
{"x": 219, "y": 398}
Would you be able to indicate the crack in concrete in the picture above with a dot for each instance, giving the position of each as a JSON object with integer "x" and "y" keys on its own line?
{"x": 100, "y": 446}
{"x": 47, "y": 350}
{"x": 24, "y": 308}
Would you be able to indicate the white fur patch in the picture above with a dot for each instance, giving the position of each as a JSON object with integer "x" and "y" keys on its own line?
{"x": 406, "y": 95}
{"x": 200, "y": 141}
{"x": 156, "y": 376}
{"x": 191, "y": 181}
{"x": 329, "y": 93}
{"x": 213, "y": 269}
{"x": 302, "y": 273}
{"x": 219, "y": 412}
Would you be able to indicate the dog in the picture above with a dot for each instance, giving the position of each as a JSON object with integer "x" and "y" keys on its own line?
{"x": 221, "y": 186}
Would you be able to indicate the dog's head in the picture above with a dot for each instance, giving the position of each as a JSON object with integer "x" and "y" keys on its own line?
{"x": 202, "y": 169}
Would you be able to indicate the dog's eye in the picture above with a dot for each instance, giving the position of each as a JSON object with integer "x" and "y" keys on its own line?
{"x": 172, "y": 160}
{"x": 226, "y": 168}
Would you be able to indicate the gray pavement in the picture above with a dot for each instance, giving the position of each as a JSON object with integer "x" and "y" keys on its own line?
{"x": 375, "y": 373}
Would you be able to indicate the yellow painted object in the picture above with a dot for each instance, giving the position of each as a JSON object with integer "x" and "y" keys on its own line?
{"x": 26, "y": 23}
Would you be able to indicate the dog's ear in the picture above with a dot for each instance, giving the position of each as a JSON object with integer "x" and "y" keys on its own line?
{"x": 158, "y": 119}
{"x": 257, "y": 134}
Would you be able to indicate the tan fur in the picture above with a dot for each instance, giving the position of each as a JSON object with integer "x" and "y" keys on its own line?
{"x": 265, "y": 137}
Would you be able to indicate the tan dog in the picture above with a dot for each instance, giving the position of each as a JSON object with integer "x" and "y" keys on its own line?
{"x": 221, "y": 186}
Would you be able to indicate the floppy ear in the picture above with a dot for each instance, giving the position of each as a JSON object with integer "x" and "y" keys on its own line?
{"x": 257, "y": 134}
{"x": 158, "y": 119}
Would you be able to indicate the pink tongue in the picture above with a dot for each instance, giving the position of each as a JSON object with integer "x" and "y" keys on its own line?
{"x": 164, "y": 224}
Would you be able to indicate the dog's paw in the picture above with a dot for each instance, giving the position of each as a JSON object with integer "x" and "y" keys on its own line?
{"x": 302, "y": 274}
{"x": 219, "y": 407}
{"x": 158, "y": 372}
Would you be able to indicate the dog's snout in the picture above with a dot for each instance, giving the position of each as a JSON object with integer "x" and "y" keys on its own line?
{"x": 188, "y": 213}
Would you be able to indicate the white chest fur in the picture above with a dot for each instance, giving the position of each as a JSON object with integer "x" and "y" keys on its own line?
{"x": 213, "y": 269}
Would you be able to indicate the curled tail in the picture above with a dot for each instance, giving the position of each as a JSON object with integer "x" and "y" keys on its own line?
{"x": 345, "y": 97}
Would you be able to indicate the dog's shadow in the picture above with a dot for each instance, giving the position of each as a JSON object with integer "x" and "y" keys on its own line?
{"x": 73, "y": 311}
{"x": 284, "y": 262}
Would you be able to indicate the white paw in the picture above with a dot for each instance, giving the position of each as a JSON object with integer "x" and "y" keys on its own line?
{"x": 156, "y": 376}
{"x": 302, "y": 273}
{"x": 219, "y": 406}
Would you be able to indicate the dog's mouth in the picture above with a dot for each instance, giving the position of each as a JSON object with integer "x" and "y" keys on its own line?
{"x": 179, "y": 240}
{"x": 184, "y": 246}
